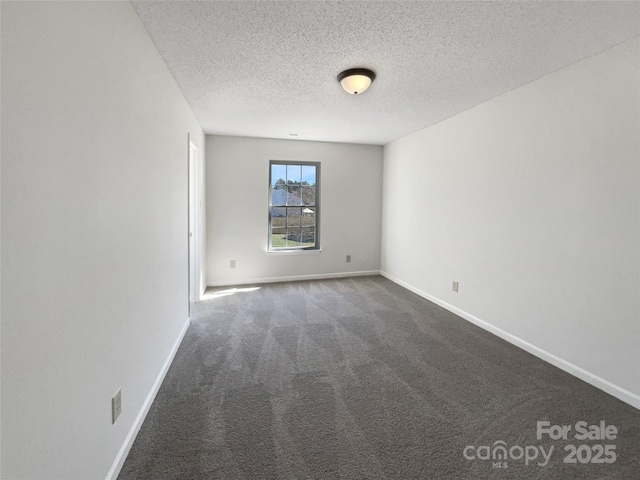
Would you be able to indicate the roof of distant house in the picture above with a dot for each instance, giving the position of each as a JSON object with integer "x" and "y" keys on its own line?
{"x": 283, "y": 197}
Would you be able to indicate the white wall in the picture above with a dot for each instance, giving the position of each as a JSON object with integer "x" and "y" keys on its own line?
{"x": 94, "y": 231}
{"x": 237, "y": 205}
{"x": 531, "y": 201}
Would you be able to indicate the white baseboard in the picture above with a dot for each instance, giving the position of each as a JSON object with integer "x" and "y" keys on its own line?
{"x": 598, "y": 382}
{"x": 137, "y": 424}
{"x": 224, "y": 283}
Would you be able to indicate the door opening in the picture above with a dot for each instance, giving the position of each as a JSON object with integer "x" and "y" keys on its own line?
{"x": 194, "y": 212}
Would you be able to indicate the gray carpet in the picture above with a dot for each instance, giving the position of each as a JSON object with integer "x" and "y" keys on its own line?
{"x": 361, "y": 379}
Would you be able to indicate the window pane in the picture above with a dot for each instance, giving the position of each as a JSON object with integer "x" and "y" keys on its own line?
{"x": 293, "y": 195}
{"x": 308, "y": 237}
{"x": 279, "y": 195}
{"x": 278, "y": 174}
{"x": 278, "y": 238}
{"x": 293, "y": 237}
{"x": 309, "y": 174}
{"x": 278, "y": 217}
{"x": 308, "y": 195}
{"x": 294, "y": 217}
{"x": 293, "y": 174}
{"x": 308, "y": 217}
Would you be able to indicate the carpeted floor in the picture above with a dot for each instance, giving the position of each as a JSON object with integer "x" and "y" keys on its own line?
{"x": 361, "y": 379}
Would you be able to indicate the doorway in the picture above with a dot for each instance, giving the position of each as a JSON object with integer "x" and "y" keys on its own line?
{"x": 194, "y": 216}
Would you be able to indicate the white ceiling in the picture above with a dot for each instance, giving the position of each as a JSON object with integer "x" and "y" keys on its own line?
{"x": 268, "y": 69}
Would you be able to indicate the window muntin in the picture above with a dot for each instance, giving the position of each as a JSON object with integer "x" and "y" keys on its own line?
{"x": 294, "y": 189}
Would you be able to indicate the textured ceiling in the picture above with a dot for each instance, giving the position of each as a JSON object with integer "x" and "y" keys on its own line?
{"x": 268, "y": 69}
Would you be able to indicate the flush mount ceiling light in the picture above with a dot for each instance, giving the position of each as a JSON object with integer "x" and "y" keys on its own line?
{"x": 356, "y": 80}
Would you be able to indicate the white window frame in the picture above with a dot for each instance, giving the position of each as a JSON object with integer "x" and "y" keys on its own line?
{"x": 306, "y": 249}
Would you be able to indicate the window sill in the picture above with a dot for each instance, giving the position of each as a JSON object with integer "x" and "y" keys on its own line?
{"x": 296, "y": 252}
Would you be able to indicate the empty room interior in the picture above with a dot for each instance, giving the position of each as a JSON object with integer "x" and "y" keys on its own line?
{"x": 320, "y": 240}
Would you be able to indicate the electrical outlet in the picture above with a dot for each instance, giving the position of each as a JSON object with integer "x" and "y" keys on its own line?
{"x": 232, "y": 263}
{"x": 454, "y": 287}
{"x": 116, "y": 406}
{"x": 348, "y": 258}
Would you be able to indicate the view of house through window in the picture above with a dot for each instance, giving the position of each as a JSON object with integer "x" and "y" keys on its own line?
{"x": 293, "y": 205}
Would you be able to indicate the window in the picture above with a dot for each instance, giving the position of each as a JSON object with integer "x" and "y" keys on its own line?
{"x": 294, "y": 206}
